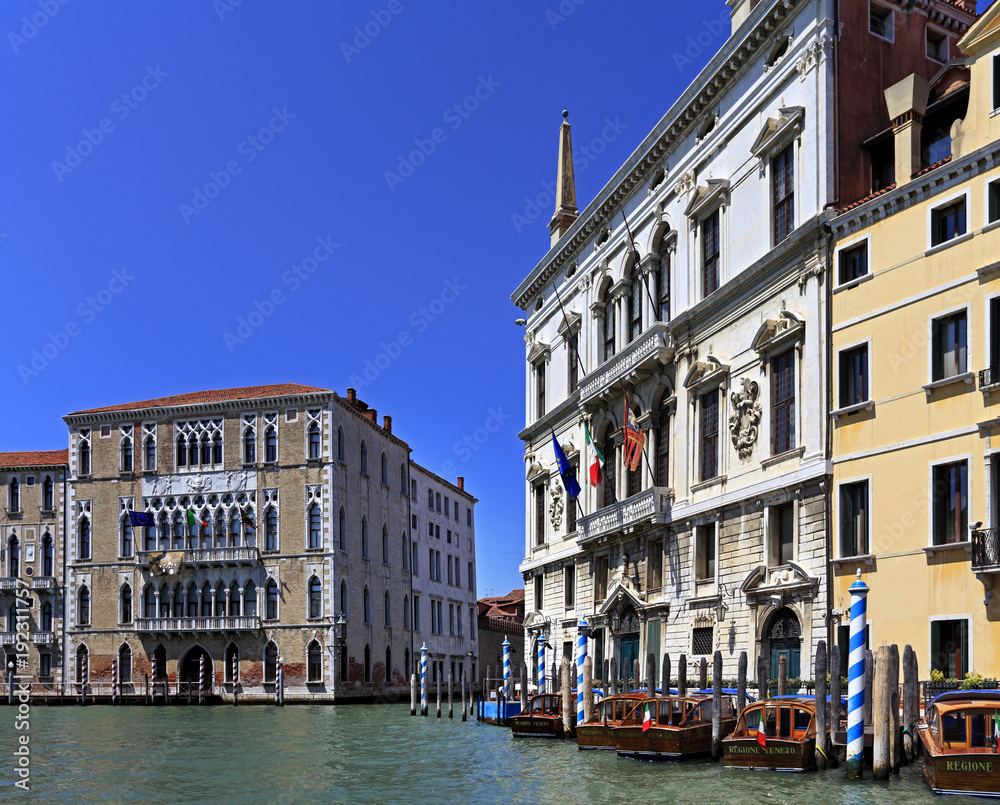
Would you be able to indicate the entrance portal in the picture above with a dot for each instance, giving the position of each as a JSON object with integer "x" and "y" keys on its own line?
{"x": 190, "y": 667}
{"x": 785, "y": 637}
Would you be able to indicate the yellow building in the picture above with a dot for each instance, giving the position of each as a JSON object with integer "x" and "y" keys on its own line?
{"x": 915, "y": 372}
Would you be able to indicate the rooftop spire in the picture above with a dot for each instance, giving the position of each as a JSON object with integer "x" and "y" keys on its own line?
{"x": 566, "y": 210}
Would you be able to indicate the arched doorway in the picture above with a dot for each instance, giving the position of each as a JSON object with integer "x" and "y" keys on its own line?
{"x": 784, "y": 636}
{"x": 190, "y": 667}
{"x": 628, "y": 634}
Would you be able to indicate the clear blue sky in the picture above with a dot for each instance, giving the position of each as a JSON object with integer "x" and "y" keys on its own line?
{"x": 204, "y": 150}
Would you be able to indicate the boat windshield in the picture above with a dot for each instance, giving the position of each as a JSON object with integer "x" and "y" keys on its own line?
{"x": 786, "y": 722}
{"x": 953, "y": 729}
{"x": 546, "y": 705}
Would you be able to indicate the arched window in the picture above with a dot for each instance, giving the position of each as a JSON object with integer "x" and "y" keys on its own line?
{"x": 406, "y": 612}
{"x": 250, "y": 600}
{"x": 314, "y": 662}
{"x": 234, "y": 600}
{"x": 14, "y": 557}
{"x": 270, "y": 662}
{"x": 160, "y": 656}
{"x": 385, "y": 470}
{"x": 217, "y": 449}
{"x": 270, "y": 444}
{"x": 47, "y": 555}
{"x": 315, "y": 527}
{"x": 164, "y": 601}
{"x": 663, "y": 447}
{"x": 220, "y": 529}
{"x": 48, "y": 494}
{"x": 83, "y": 539}
{"x": 315, "y": 598}
{"x": 181, "y": 451}
{"x": 206, "y": 450}
{"x": 388, "y": 665}
{"x": 125, "y": 449}
{"x": 314, "y": 443}
{"x": 364, "y": 458}
{"x": 149, "y": 451}
{"x": 83, "y": 607}
{"x": 271, "y": 600}
{"x": 126, "y": 543}
{"x": 164, "y": 532}
{"x": 271, "y": 529}
{"x": 387, "y": 604}
{"x": 84, "y": 460}
{"x": 342, "y": 530}
{"x": 231, "y": 660}
{"x": 343, "y": 598}
{"x": 46, "y": 623}
{"x": 368, "y": 663}
{"x": 249, "y": 446}
{"x": 402, "y": 479}
{"x": 635, "y": 305}
{"x": 14, "y": 495}
{"x": 364, "y": 537}
{"x": 178, "y": 530}
{"x": 82, "y": 666}
{"x": 406, "y": 553}
{"x": 385, "y": 546}
{"x": 125, "y": 609}
{"x": 633, "y": 478}
{"x": 191, "y": 605}
{"x": 149, "y": 602}
{"x": 609, "y": 469}
{"x": 341, "y": 448}
{"x": 367, "y": 606}
{"x": 608, "y": 334}
{"x": 192, "y": 450}
{"x": 234, "y": 528}
{"x": 125, "y": 663}
{"x": 205, "y": 527}
{"x": 662, "y": 276}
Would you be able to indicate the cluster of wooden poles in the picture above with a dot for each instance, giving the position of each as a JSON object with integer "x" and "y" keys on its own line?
{"x": 466, "y": 690}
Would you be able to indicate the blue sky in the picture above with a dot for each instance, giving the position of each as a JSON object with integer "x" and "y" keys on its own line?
{"x": 207, "y": 194}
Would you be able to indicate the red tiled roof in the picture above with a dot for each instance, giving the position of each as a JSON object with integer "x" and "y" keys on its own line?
{"x": 861, "y": 201}
{"x": 512, "y": 597}
{"x": 34, "y": 458}
{"x": 204, "y": 397}
{"x": 937, "y": 164}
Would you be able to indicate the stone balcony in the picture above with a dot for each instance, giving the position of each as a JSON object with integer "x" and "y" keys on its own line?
{"x": 7, "y": 638}
{"x": 219, "y": 623}
{"x": 42, "y": 638}
{"x": 634, "y": 362}
{"x": 208, "y": 557}
{"x": 8, "y": 583}
{"x": 43, "y": 583}
{"x": 646, "y": 508}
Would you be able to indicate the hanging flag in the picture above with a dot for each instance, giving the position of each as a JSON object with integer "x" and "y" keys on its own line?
{"x": 247, "y": 522}
{"x": 193, "y": 520}
{"x": 634, "y": 440}
{"x": 138, "y": 519}
{"x": 761, "y": 735}
{"x": 597, "y": 462}
{"x": 996, "y": 728}
{"x": 647, "y": 720}
{"x": 565, "y": 470}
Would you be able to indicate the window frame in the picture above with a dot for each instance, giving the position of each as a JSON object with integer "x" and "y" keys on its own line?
{"x": 786, "y": 408}
{"x": 703, "y": 435}
{"x": 932, "y": 467}
{"x": 715, "y": 257}
{"x": 839, "y": 515}
{"x": 845, "y": 248}
{"x": 785, "y": 206}
{"x": 709, "y": 579}
{"x": 944, "y": 39}
{"x": 569, "y": 587}
{"x": 935, "y": 319}
{"x": 772, "y": 546}
{"x": 933, "y": 219}
{"x": 890, "y": 31}
{"x": 841, "y": 367}
{"x": 989, "y": 219}
{"x": 969, "y": 631}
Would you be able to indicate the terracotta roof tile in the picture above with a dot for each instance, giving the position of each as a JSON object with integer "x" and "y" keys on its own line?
{"x": 34, "y": 458}
{"x": 861, "y": 201}
{"x": 204, "y": 397}
{"x": 937, "y": 164}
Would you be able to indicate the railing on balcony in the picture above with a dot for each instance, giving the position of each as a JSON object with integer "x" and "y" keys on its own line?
{"x": 7, "y": 639}
{"x": 42, "y": 638}
{"x": 8, "y": 583}
{"x": 209, "y": 556}
{"x": 653, "y": 348}
{"x": 989, "y": 377}
{"x": 43, "y": 583}
{"x": 650, "y": 506}
{"x": 244, "y": 623}
{"x": 986, "y": 549}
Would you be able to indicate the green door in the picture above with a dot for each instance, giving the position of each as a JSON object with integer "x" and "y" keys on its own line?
{"x": 630, "y": 653}
{"x": 790, "y": 650}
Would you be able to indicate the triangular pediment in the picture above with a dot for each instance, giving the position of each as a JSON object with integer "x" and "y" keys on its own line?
{"x": 704, "y": 372}
{"x": 776, "y": 332}
{"x": 769, "y": 580}
{"x": 539, "y": 352}
{"x": 570, "y": 322}
{"x": 776, "y": 129}
{"x": 983, "y": 33}
{"x": 536, "y": 620}
{"x": 707, "y": 196}
{"x": 621, "y": 593}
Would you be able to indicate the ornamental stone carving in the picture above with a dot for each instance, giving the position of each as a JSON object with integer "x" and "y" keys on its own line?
{"x": 556, "y": 507}
{"x": 745, "y": 418}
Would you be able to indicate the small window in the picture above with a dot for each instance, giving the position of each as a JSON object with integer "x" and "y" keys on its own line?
{"x": 951, "y": 502}
{"x": 271, "y": 600}
{"x": 993, "y": 202}
{"x": 654, "y": 565}
{"x": 569, "y": 586}
{"x": 782, "y": 533}
{"x": 948, "y": 222}
{"x": 705, "y": 552}
{"x": 996, "y": 82}
{"x": 950, "y": 654}
{"x": 384, "y": 469}
{"x": 854, "y": 376}
{"x": 314, "y": 663}
{"x": 291, "y": 415}
{"x": 84, "y": 607}
{"x": 315, "y": 598}
{"x": 937, "y": 46}
{"x": 854, "y": 519}
{"x": 710, "y": 254}
{"x": 539, "y": 592}
{"x": 271, "y": 445}
{"x": 949, "y": 356}
{"x": 341, "y": 448}
{"x": 853, "y": 263}
{"x": 314, "y": 441}
{"x": 783, "y": 171}
{"x": 709, "y": 433}
{"x": 880, "y": 22}
{"x": 701, "y": 640}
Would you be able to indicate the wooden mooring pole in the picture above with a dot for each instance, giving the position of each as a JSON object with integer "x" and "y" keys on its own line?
{"x": 606, "y": 679}
{"x": 783, "y": 674}
{"x": 614, "y": 676}
{"x": 869, "y": 685}
{"x": 703, "y": 674}
{"x": 650, "y": 675}
{"x": 762, "y": 678}
{"x": 911, "y": 702}
{"x": 836, "y": 714}
{"x": 635, "y": 674}
{"x": 413, "y": 694}
{"x": 439, "y": 695}
{"x": 465, "y": 713}
{"x": 822, "y": 748}
{"x": 524, "y": 687}
{"x": 682, "y": 675}
{"x": 895, "y": 744}
{"x": 882, "y": 715}
{"x": 741, "y": 683}
{"x": 716, "y": 705}
{"x": 567, "y": 699}
{"x": 588, "y": 688}
{"x": 665, "y": 679}
{"x": 451, "y": 696}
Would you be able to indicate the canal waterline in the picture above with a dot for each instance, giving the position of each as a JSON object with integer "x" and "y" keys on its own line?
{"x": 369, "y": 754}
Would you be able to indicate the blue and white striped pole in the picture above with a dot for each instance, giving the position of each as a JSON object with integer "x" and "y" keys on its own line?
{"x": 541, "y": 663}
{"x": 423, "y": 679}
{"x": 506, "y": 667}
{"x": 581, "y": 655}
{"x": 856, "y": 681}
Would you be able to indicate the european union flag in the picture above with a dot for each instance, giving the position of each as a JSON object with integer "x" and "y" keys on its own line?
{"x": 140, "y": 518}
{"x": 565, "y": 470}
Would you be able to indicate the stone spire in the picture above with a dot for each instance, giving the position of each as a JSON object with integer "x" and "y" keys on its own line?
{"x": 566, "y": 210}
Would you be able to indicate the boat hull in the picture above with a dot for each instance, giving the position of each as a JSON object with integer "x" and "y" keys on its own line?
{"x": 970, "y": 773}
{"x": 667, "y": 743}
{"x": 778, "y": 755}
{"x": 595, "y": 736}
{"x": 529, "y": 726}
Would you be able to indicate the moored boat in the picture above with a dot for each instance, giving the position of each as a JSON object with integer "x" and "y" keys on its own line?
{"x": 608, "y": 714}
{"x": 543, "y": 718}
{"x": 679, "y": 727}
{"x": 787, "y": 742}
{"x": 960, "y": 735}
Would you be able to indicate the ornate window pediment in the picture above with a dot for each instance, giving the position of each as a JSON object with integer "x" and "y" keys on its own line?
{"x": 775, "y": 334}
{"x": 705, "y": 375}
{"x": 539, "y": 351}
{"x": 790, "y": 579}
{"x": 707, "y": 197}
{"x": 621, "y": 593}
{"x": 778, "y": 131}
{"x": 570, "y": 323}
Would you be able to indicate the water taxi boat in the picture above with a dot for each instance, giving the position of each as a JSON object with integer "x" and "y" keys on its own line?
{"x": 959, "y": 735}
{"x": 788, "y": 742}
{"x": 608, "y": 714}
{"x": 542, "y": 719}
{"x": 679, "y": 727}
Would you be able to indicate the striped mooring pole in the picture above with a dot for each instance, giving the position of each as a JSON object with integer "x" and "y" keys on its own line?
{"x": 114, "y": 680}
{"x": 154, "y": 676}
{"x": 581, "y": 655}
{"x": 236, "y": 671}
{"x": 856, "y": 681}
{"x": 541, "y": 663}
{"x": 201, "y": 679}
{"x": 506, "y": 668}
{"x": 423, "y": 679}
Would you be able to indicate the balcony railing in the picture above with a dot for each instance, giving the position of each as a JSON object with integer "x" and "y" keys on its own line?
{"x": 986, "y": 549}
{"x": 8, "y": 583}
{"x": 653, "y": 348}
{"x": 7, "y": 639}
{"x": 209, "y": 556}
{"x": 245, "y": 623}
{"x": 989, "y": 377}
{"x": 42, "y": 638}
{"x": 650, "y": 506}
{"x": 43, "y": 583}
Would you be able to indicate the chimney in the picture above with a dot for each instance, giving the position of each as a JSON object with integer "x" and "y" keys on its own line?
{"x": 907, "y": 102}
{"x": 387, "y": 423}
{"x": 566, "y": 210}
{"x": 352, "y": 396}
{"x": 372, "y": 415}
{"x": 461, "y": 483}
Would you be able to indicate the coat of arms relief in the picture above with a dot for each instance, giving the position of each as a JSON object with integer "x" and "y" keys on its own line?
{"x": 745, "y": 418}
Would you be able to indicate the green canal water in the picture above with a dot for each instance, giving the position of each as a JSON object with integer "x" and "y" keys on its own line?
{"x": 369, "y": 754}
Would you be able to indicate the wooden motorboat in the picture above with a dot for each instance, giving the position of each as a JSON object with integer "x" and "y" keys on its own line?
{"x": 680, "y": 727}
{"x": 789, "y": 741}
{"x": 543, "y": 718}
{"x": 609, "y": 713}
{"x": 959, "y": 735}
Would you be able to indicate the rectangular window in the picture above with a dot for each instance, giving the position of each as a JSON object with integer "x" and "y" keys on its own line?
{"x": 569, "y": 586}
{"x": 635, "y": 306}
{"x": 705, "y": 552}
{"x": 540, "y": 390}
{"x": 994, "y": 335}
{"x": 949, "y": 350}
{"x": 430, "y": 530}
{"x": 654, "y": 565}
{"x": 469, "y": 575}
{"x": 701, "y": 640}
{"x": 951, "y": 502}
{"x": 600, "y": 578}
{"x": 458, "y": 574}
{"x": 853, "y": 263}
{"x": 413, "y": 490}
{"x": 784, "y": 194}
{"x": 413, "y": 522}
{"x": 574, "y": 362}
{"x": 880, "y": 21}
{"x": 437, "y": 501}
{"x": 430, "y": 498}
{"x": 437, "y": 532}
{"x": 468, "y": 517}
{"x": 416, "y": 613}
{"x": 710, "y": 254}
{"x": 783, "y": 403}
{"x": 948, "y": 222}
{"x": 854, "y": 376}
{"x": 437, "y": 565}
{"x": 663, "y": 449}
{"x": 996, "y": 82}
{"x": 854, "y": 519}
{"x": 571, "y": 507}
{"x": 782, "y": 534}
{"x": 451, "y": 620}
{"x": 662, "y": 277}
{"x": 430, "y": 562}
{"x": 449, "y": 536}
{"x": 993, "y": 203}
{"x": 472, "y": 623}
{"x": 539, "y": 515}
{"x": 709, "y": 427}
{"x": 451, "y": 573}
{"x": 539, "y": 592}
{"x": 447, "y": 506}
{"x": 950, "y": 648}
{"x": 937, "y": 46}
{"x": 416, "y": 558}
{"x": 609, "y": 329}
{"x": 45, "y": 665}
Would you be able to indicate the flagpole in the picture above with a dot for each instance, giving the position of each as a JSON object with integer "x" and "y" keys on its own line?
{"x": 569, "y": 333}
{"x": 643, "y": 448}
{"x": 635, "y": 252}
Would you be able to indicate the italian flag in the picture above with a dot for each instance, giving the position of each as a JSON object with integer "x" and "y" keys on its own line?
{"x": 597, "y": 462}
{"x": 647, "y": 720}
{"x": 761, "y": 735}
{"x": 194, "y": 520}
